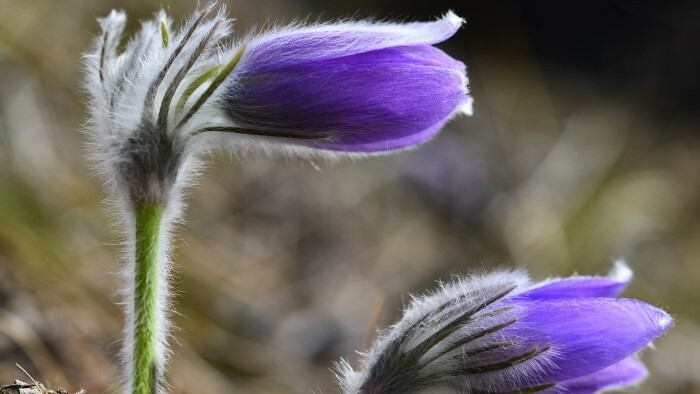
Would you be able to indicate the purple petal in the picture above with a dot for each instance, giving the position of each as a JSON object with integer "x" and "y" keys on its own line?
{"x": 586, "y": 334}
{"x": 584, "y": 286}
{"x": 374, "y": 101}
{"x": 292, "y": 46}
{"x": 387, "y": 144}
{"x": 619, "y": 375}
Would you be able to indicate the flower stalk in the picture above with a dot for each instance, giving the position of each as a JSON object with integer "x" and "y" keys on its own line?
{"x": 148, "y": 219}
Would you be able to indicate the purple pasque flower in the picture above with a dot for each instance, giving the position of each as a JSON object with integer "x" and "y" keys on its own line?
{"x": 499, "y": 333}
{"x": 351, "y": 87}
{"x": 168, "y": 95}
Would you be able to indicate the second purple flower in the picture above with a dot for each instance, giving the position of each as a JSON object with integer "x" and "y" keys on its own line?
{"x": 500, "y": 333}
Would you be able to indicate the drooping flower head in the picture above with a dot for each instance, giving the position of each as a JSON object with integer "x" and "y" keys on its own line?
{"x": 499, "y": 333}
{"x": 334, "y": 87}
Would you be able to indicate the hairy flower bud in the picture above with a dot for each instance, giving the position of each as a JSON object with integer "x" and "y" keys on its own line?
{"x": 334, "y": 87}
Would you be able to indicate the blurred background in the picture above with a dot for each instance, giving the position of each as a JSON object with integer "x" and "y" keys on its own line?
{"x": 584, "y": 148}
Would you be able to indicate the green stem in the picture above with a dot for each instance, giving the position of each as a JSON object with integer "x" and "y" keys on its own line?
{"x": 148, "y": 221}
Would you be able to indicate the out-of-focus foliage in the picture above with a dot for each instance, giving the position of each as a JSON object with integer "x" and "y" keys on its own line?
{"x": 286, "y": 266}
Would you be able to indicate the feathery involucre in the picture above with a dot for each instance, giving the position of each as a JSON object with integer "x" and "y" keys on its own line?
{"x": 145, "y": 102}
{"x": 499, "y": 333}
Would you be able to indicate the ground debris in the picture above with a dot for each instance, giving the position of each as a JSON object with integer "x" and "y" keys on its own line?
{"x": 20, "y": 387}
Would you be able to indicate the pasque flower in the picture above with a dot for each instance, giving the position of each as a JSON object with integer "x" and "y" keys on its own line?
{"x": 156, "y": 106}
{"x": 499, "y": 333}
{"x": 342, "y": 87}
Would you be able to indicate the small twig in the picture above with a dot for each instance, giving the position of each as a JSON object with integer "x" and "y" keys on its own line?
{"x": 28, "y": 375}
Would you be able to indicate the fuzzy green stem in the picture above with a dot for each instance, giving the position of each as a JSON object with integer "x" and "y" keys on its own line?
{"x": 148, "y": 222}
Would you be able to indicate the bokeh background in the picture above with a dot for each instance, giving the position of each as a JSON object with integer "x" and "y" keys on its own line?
{"x": 584, "y": 148}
